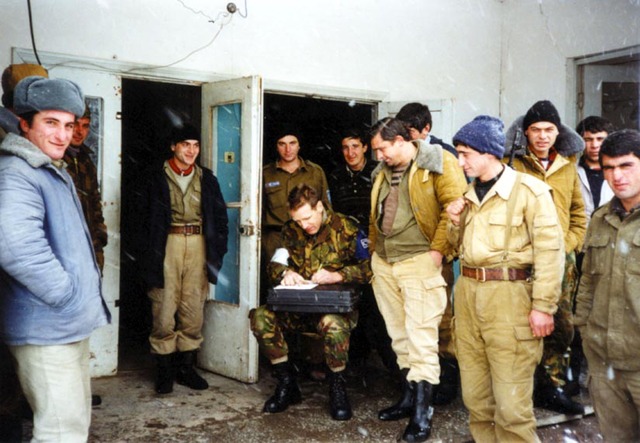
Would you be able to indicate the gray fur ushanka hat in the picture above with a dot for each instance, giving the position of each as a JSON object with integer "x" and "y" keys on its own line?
{"x": 36, "y": 93}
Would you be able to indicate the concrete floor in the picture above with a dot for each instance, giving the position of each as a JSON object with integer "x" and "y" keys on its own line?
{"x": 230, "y": 411}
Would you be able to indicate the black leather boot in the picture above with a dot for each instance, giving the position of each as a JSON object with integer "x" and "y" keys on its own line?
{"x": 165, "y": 373}
{"x": 338, "y": 401}
{"x": 555, "y": 399}
{"x": 447, "y": 390}
{"x": 187, "y": 375}
{"x": 402, "y": 408}
{"x": 419, "y": 426}
{"x": 287, "y": 390}
{"x": 575, "y": 366}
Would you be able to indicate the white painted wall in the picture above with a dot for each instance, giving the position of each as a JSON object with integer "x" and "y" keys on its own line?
{"x": 425, "y": 49}
{"x": 541, "y": 36}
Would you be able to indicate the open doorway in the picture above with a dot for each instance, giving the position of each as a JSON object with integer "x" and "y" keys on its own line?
{"x": 321, "y": 123}
{"x": 149, "y": 111}
{"x": 609, "y": 86}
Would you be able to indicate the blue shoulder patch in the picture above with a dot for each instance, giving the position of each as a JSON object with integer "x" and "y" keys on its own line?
{"x": 362, "y": 246}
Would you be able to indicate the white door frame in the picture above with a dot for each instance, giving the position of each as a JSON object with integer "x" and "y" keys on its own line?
{"x": 111, "y": 189}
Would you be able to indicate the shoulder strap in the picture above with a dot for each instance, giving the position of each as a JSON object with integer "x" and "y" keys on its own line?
{"x": 511, "y": 204}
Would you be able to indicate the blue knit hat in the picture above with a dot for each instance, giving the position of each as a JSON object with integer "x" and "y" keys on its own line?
{"x": 484, "y": 134}
{"x": 36, "y": 93}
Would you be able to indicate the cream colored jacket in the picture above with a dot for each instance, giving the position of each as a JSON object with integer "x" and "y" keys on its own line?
{"x": 536, "y": 238}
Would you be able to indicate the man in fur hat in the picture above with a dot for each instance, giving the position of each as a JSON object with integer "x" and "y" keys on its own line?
{"x": 50, "y": 291}
{"x": 551, "y": 156}
{"x": 11, "y": 397}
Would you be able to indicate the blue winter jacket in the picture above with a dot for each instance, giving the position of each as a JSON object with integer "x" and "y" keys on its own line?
{"x": 50, "y": 290}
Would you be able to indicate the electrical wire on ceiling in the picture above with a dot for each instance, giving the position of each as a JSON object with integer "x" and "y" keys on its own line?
{"x": 222, "y": 19}
{"x": 33, "y": 40}
{"x": 227, "y": 16}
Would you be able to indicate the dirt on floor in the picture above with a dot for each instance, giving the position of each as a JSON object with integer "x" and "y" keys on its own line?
{"x": 230, "y": 411}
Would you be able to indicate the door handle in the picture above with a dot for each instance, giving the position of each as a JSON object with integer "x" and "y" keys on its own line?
{"x": 247, "y": 230}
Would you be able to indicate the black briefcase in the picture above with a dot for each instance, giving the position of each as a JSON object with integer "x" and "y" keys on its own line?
{"x": 327, "y": 299}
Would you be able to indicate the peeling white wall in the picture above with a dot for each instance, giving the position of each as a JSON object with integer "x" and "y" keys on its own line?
{"x": 410, "y": 49}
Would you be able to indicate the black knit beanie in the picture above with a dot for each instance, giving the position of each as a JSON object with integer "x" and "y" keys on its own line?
{"x": 185, "y": 132}
{"x": 542, "y": 111}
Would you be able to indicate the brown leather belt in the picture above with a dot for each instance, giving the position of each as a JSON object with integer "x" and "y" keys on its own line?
{"x": 490, "y": 274}
{"x": 186, "y": 229}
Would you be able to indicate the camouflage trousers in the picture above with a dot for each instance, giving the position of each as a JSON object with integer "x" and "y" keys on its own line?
{"x": 555, "y": 358}
{"x": 334, "y": 329}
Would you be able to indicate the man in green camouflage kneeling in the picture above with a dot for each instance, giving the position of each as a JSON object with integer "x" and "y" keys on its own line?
{"x": 323, "y": 247}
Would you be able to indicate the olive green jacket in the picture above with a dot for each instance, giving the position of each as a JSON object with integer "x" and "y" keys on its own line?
{"x": 608, "y": 306}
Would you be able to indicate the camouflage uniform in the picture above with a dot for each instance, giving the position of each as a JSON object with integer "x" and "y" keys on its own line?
{"x": 85, "y": 177}
{"x": 335, "y": 248}
{"x": 277, "y": 184}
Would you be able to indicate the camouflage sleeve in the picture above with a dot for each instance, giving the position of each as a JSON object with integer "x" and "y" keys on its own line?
{"x": 100, "y": 229}
{"x": 275, "y": 271}
{"x": 358, "y": 266}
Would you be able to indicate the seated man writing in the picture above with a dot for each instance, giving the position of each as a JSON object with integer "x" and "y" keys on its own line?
{"x": 325, "y": 248}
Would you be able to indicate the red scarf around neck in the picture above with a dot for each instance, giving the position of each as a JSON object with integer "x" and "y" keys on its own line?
{"x": 175, "y": 168}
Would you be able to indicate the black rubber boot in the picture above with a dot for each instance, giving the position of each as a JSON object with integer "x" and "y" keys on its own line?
{"x": 165, "y": 373}
{"x": 555, "y": 399}
{"x": 287, "y": 390}
{"x": 402, "y": 408}
{"x": 338, "y": 401}
{"x": 447, "y": 390}
{"x": 187, "y": 375}
{"x": 419, "y": 427}
{"x": 575, "y": 366}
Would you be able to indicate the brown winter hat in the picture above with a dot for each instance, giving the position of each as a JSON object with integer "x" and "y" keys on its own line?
{"x": 12, "y": 76}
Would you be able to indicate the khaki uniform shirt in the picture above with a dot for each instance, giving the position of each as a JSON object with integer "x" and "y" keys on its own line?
{"x": 278, "y": 183}
{"x": 186, "y": 207}
{"x": 536, "y": 239}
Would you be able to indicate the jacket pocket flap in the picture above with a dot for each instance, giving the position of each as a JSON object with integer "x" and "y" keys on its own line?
{"x": 602, "y": 240}
{"x": 524, "y": 333}
{"x": 501, "y": 219}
